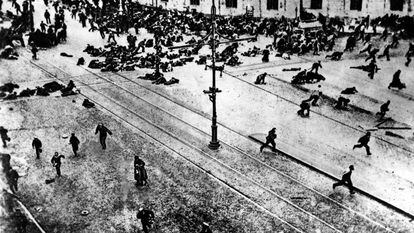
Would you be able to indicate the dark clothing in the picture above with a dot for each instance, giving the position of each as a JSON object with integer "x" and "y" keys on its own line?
{"x": 260, "y": 79}
{"x": 265, "y": 57}
{"x": 140, "y": 173}
{"x": 103, "y": 132}
{"x": 4, "y": 136}
{"x": 12, "y": 178}
{"x": 270, "y": 139}
{"x": 74, "y": 141}
{"x": 364, "y": 139}
{"x": 111, "y": 36}
{"x": 349, "y": 91}
{"x": 37, "y": 145}
{"x": 396, "y": 82}
{"x": 363, "y": 142}
{"x": 342, "y": 103}
{"x": 346, "y": 180}
{"x": 304, "y": 106}
{"x": 34, "y": 51}
{"x": 47, "y": 17}
{"x": 314, "y": 97}
{"x": 102, "y": 32}
{"x": 386, "y": 53}
{"x": 56, "y": 161}
{"x": 408, "y": 55}
{"x": 383, "y": 110}
{"x": 147, "y": 219}
{"x": 316, "y": 66}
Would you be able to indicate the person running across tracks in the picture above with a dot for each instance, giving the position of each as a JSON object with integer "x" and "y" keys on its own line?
{"x": 384, "y": 109}
{"x": 270, "y": 139}
{"x": 363, "y": 142}
{"x": 346, "y": 180}
{"x": 316, "y": 66}
{"x": 315, "y": 95}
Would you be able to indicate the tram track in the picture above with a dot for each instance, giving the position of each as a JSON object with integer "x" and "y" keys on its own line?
{"x": 308, "y": 219}
{"x": 252, "y": 67}
{"x": 228, "y": 145}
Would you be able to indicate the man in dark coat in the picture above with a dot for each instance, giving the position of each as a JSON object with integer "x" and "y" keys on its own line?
{"x": 74, "y": 141}
{"x": 316, "y": 66}
{"x": 56, "y": 162}
{"x": 4, "y": 136}
{"x": 270, "y": 139}
{"x": 363, "y": 142}
{"x": 34, "y": 51}
{"x": 147, "y": 219}
{"x": 12, "y": 179}
{"x": 265, "y": 57}
{"x": 346, "y": 180}
{"x": 103, "y": 132}
{"x": 396, "y": 82}
{"x": 47, "y": 17}
{"x": 140, "y": 173}
{"x": 384, "y": 109}
{"x": 37, "y": 145}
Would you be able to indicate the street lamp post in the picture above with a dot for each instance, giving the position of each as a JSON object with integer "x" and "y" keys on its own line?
{"x": 214, "y": 143}
{"x": 213, "y": 90}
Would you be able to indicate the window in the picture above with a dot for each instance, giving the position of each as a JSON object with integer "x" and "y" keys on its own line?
{"x": 194, "y": 2}
{"x": 397, "y": 5}
{"x": 356, "y": 5}
{"x": 316, "y": 4}
{"x": 272, "y": 4}
{"x": 231, "y": 3}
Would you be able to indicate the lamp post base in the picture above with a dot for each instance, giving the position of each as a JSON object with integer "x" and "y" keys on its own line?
{"x": 214, "y": 145}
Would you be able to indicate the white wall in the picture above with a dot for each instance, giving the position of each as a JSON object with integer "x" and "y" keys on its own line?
{"x": 287, "y": 7}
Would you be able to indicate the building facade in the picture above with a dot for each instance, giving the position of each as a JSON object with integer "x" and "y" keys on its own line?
{"x": 290, "y": 8}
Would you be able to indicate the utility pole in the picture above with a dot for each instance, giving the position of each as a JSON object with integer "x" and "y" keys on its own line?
{"x": 213, "y": 90}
